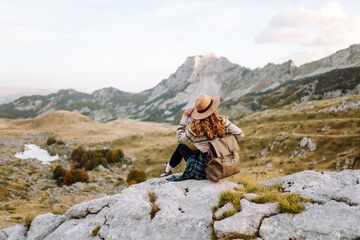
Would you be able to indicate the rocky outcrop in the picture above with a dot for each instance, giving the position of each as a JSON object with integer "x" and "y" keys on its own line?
{"x": 185, "y": 212}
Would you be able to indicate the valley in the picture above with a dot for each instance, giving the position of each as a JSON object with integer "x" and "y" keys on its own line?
{"x": 321, "y": 135}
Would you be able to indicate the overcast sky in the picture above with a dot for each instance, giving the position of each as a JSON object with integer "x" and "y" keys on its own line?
{"x": 134, "y": 44}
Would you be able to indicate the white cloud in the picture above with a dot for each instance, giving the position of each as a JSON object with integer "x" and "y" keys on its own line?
{"x": 328, "y": 25}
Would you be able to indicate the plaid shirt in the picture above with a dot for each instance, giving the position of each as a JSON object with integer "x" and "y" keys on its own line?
{"x": 195, "y": 169}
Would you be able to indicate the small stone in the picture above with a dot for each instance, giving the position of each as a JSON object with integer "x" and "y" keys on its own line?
{"x": 311, "y": 145}
{"x": 227, "y": 207}
{"x": 250, "y": 196}
{"x": 304, "y": 142}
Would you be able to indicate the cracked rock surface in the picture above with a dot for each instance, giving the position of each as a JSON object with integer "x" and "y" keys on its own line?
{"x": 185, "y": 212}
{"x": 334, "y": 215}
{"x": 333, "y": 220}
{"x": 318, "y": 186}
{"x": 247, "y": 220}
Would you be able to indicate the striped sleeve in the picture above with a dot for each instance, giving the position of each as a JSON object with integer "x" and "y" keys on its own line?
{"x": 182, "y": 135}
{"x": 231, "y": 128}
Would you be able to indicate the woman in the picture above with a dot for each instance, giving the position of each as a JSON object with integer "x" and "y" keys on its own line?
{"x": 205, "y": 126}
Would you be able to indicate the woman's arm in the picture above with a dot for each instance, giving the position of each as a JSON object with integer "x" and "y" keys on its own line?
{"x": 231, "y": 128}
{"x": 182, "y": 135}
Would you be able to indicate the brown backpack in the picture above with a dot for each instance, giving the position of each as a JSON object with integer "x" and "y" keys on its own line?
{"x": 222, "y": 158}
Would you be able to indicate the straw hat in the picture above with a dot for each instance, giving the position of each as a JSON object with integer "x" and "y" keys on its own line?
{"x": 205, "y": 105}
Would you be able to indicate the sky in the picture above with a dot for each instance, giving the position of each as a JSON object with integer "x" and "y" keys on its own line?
{"x": 133, "y": 44}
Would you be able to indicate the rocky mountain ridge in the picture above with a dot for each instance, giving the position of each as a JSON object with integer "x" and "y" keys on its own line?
{"x": 185, "y": 212}
{"x": 166, "y": 101}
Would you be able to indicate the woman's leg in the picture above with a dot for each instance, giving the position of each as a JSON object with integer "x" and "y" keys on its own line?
{"x": 182, "y": 151}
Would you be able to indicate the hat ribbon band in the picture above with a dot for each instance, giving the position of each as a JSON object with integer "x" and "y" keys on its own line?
{"x": 207, "y": 108}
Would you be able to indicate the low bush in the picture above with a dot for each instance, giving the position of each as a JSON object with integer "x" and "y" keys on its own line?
{"x": 59, "y": 171}
{"x": 91, "y": 159}
{"x": 50, "y": 141}
{"x": 68, "y": 177}
{"x": 136, "y": 176}
{"x": 58, "y": 174}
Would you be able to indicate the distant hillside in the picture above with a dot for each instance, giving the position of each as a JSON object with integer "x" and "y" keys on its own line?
{"x": 77, "y": 126}
{"x": 200, "y": 74}
{"x": 10, "y": 94}
{"x": 332, "y": 84}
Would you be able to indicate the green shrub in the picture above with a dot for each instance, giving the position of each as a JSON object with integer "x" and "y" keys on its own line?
{"x": 80, "y": 175}
{"x": 91, "y": 159}
{"x": 69, "y": 178}
{"x": 50, "y": 141}
{"x": 77, "y": 153}
{"x": 137, "y": 176}
{"x": 59, "y": 172}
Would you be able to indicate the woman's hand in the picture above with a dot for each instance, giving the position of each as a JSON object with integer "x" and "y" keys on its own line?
{"x": 188, "y": 112}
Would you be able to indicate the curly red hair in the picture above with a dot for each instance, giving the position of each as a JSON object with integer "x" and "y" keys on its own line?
{"x": 211, "y": 126}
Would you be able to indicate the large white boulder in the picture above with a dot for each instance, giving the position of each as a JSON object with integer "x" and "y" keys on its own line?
{"x": 43, "y": 225}
{"x": 17, "y": 232}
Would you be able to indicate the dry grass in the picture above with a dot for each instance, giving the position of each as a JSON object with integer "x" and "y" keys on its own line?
{"x": 290, "y": 203}
{"x": 95, "y": 231}
{"x": 225, "y": 215}
{"x": 154, "y": 207}
{"x": 28, "y": 220}
{"x": 229, "y": 197}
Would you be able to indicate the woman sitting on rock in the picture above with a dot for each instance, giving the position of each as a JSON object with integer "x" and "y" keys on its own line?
{"x": 205, "y": 126}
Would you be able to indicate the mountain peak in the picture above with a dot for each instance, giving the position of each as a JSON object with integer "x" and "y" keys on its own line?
{"x": 210, "y": 55}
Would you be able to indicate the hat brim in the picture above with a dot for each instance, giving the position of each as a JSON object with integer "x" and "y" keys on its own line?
{"x": 216, "y": 101}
